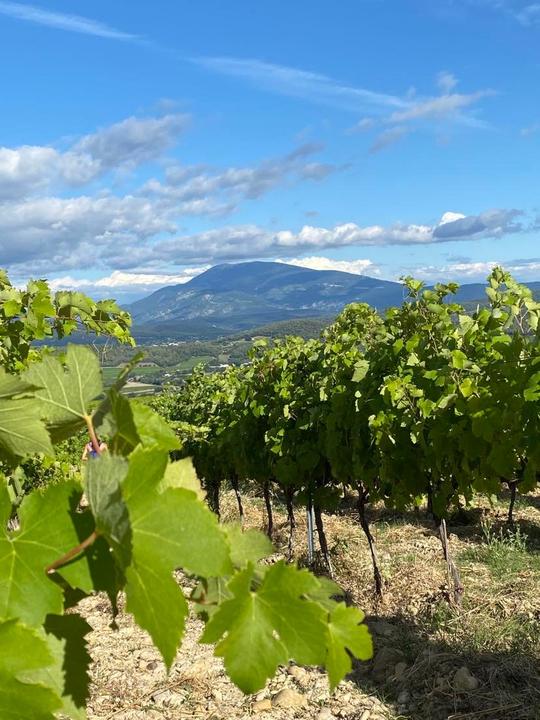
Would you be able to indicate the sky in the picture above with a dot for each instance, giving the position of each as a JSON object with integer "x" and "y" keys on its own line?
{"x": 141, "y": 143}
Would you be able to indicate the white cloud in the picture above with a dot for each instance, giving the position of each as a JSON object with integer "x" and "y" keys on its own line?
{"x": 446, "y": 82}
{"x": 450, "y": 217}
{"x": 529, "y": 14}
{"x": 303, "y": 84}
{"x": 316, "y": 262}
{"x": 119, "y": 281}
{"x": 318, "y": 88}
{"x": 197, "y": 183}
{"x": 476, "y": 271}
{"x": 362, "y": 125}
{"x": 387, "y": 138}
{"x": 443, "y": 107}
{"x": 127, "y": 232}
{"x": 491, "y": 223}
{"x": 526, "y": 13}
{"x": 60, "y": 233}
{"x": 133, "y": 141}
{"x": 251, "y": 241}
{"x": 27, "y": 170}
{"x": 62, "y": 21}
{"x": 40, "y": 230}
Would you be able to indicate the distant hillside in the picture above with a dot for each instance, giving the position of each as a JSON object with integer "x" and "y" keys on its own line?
{"x": 230, "y": 299}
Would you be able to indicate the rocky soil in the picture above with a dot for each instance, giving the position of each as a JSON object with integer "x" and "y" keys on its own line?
{"x": 430, "y": 663}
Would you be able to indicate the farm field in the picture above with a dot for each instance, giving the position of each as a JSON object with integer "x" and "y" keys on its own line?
{"x": 431, "y": 662}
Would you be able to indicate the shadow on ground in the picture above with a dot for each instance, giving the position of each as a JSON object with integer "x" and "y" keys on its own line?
{"x": 427, "y": 679}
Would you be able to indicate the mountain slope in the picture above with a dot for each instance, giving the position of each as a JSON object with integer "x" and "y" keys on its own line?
{"x": 230, "y": 298}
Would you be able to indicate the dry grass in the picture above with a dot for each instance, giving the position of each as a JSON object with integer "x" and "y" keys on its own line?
{"x": 495, "y": 634}
{"x": 420, "y": 640}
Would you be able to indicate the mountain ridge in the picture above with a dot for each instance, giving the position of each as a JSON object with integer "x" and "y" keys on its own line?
{"x": 230, "y": 298}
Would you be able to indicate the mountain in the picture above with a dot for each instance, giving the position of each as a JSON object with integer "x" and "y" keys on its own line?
{"x": 230, "y": 298}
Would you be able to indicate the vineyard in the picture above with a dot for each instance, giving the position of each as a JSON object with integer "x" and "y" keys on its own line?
{"x": 428, "y": 413}
{"x": 428, "y": 403}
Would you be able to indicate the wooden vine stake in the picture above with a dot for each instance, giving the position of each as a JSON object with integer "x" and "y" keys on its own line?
{"x": 455, "y": 588}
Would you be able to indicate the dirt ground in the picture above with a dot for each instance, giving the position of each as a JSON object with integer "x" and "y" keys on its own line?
{"x": 431, "y": 662}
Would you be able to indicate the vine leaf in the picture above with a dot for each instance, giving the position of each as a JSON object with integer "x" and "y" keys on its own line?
{"x": 46, "y": 533}
{"x": 24, "y": 657}
{"x": 104, "y": 476}
{"x": 346, "y": 633}
{"x": 104, "y": 407}
{"x": 170, "y": 529}
{"x": 66, "y": 391}
{"x": 267, "y": 627}
{"x": 11, "y": 385}
{"x": 21, "y": 429}
{"x": 152, "y": 429}
{"x": 130, "y": 424}
{"x": 69, "y": 676}
{"x": 249, "y": 546}
{"x": 181, "y": 474}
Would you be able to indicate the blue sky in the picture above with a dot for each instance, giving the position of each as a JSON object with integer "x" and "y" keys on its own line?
{"x": 141, "y": 143}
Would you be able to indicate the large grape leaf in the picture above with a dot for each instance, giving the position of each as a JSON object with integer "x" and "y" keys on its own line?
{"x": 170, "y": 529}
{"x": 130, "y": 424}
{"x": 268, "y": 626}
{"x": 12, "y": 385}
{"x": 115, "y": 418}
{"x": 152, "y": 429}
{"x": 246, "y": 546}
{"x": 21, "y": 430}
{"x": 104, "y": 407}
{"x": 23, "y": 657}
{"x": 104, "y": 476}
{"x": 46, "y": 533}
{"x": 66, "y": 391}
{"x": 69, "y": 675}
{"x": 181, "y": 474}
{"x": 346, "y": 633}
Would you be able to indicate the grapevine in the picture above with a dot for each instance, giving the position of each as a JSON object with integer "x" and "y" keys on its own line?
{"x": 146, "y": 518}
{"x": 427, "y": 402}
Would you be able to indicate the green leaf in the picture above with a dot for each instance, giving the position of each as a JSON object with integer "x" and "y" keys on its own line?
{"x": 532, "y": 391}
{"x": 104, "y": 476}
{"x": 115, "y": 418}
{"x": 251, "y": 649}
{"x": 459, "y": 359}
{"x": 209, "y": 594}
{"x": 360, "y": 370}
{"x": 11, "y": 308}
{"x": 12, "y": 385}
{"x": 246, "y": 547}
{"x": 46, "y": 533}
{"x": 66, "y": 392}
{"x": 181, "y": 474}
{"x": 170, "y": 529}
{"x": 24, "y": 655}
{"x": 22, "y": 432}
{"x": 121, "y": 379}
{"x": 346, "y": 633}
{"x": 266, "y": 627}
{"x": 152, "y": 429}
{"x": 69, "y": 676}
